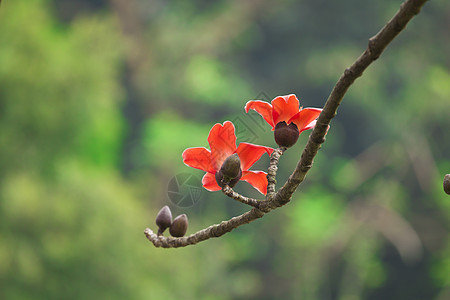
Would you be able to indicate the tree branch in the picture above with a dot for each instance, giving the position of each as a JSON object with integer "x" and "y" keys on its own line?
{"x": 377, "y": 44}
{"x": 212, "y": 231}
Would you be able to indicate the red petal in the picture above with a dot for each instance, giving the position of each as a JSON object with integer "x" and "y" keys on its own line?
{"x": 284, "y": 108}
{"x": 209, "y": 182}
{"x": 261, "y": 107}
{"x": 222, "y": 142}
{"x": 305, "y": 117}
{"x": 258, "y": 179}
{"x": 310, "y": 126}
{"x": 250, "y": 153}
{"x": 199, "y": 158}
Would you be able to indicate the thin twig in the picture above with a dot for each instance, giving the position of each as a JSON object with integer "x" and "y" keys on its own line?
{"x": 271, "y": 179}
{"x": 227, "y": 190}
{"x": 377, "y": 44}
{"x": 272, "y": 171}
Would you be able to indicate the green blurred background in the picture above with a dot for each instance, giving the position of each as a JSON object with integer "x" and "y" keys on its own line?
{"x": 99, "y": 98}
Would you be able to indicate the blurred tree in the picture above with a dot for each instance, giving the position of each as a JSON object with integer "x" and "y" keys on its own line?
{"x": 84, "y": 100}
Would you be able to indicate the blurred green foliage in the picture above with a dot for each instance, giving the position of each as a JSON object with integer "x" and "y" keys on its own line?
{"x": 98, "y": 100}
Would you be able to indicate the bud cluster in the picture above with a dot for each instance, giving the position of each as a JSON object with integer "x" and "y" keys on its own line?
{"x": 177, "y": 227}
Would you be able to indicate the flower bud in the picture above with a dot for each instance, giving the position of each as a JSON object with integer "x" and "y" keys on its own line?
{"x": 231, "y": 167}
{"x": 447, "y": 183}
{"x": 230, "y": 172}
{"x": 286, "y": 135}
{"x": 163, "y": 219}
{"x": 231, "y": 183}
{"x": 179, "y": 226}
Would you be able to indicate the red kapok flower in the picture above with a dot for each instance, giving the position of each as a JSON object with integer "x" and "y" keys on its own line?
{"x": 285, "y": 109}
{"x": 222, "y": 141}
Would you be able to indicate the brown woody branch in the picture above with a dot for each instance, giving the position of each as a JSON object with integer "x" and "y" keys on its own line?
{"x": 260, "y": 208}
{"x": 227, "y": 190}
{"x": 204, "y": 234}
{"x": 377, "y": 44}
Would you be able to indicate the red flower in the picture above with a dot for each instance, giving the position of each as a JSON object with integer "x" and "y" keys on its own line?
{"x": 222, "y": 141}
{"x": 285, "y": 109}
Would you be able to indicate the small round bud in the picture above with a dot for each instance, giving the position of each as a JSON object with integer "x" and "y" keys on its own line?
{"x": 231, "y": 167}
{"x": 231, "y": 183}
{"x": 447, "y": 183}
{"x": 179, "y": 226}
{"x": 163, "y": 219}
{"x": 286, "y": 135}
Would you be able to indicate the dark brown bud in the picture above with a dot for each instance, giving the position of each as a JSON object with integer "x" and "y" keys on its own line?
{"x": 447, "y": 183}
{"x": 231, "y": 183}
{"x": 163, "y": 219}
{"x": 231, "y": 167}
{"x": 286, "y": 135}
{"x": 230, "y": 172}
{"x": 179, "y": 226}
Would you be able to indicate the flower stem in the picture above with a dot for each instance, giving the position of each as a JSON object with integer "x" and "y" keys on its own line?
{"x": 272, "y": 171}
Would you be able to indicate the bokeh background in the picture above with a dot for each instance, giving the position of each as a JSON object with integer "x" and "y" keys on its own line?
{"x": 99, "y": 98}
